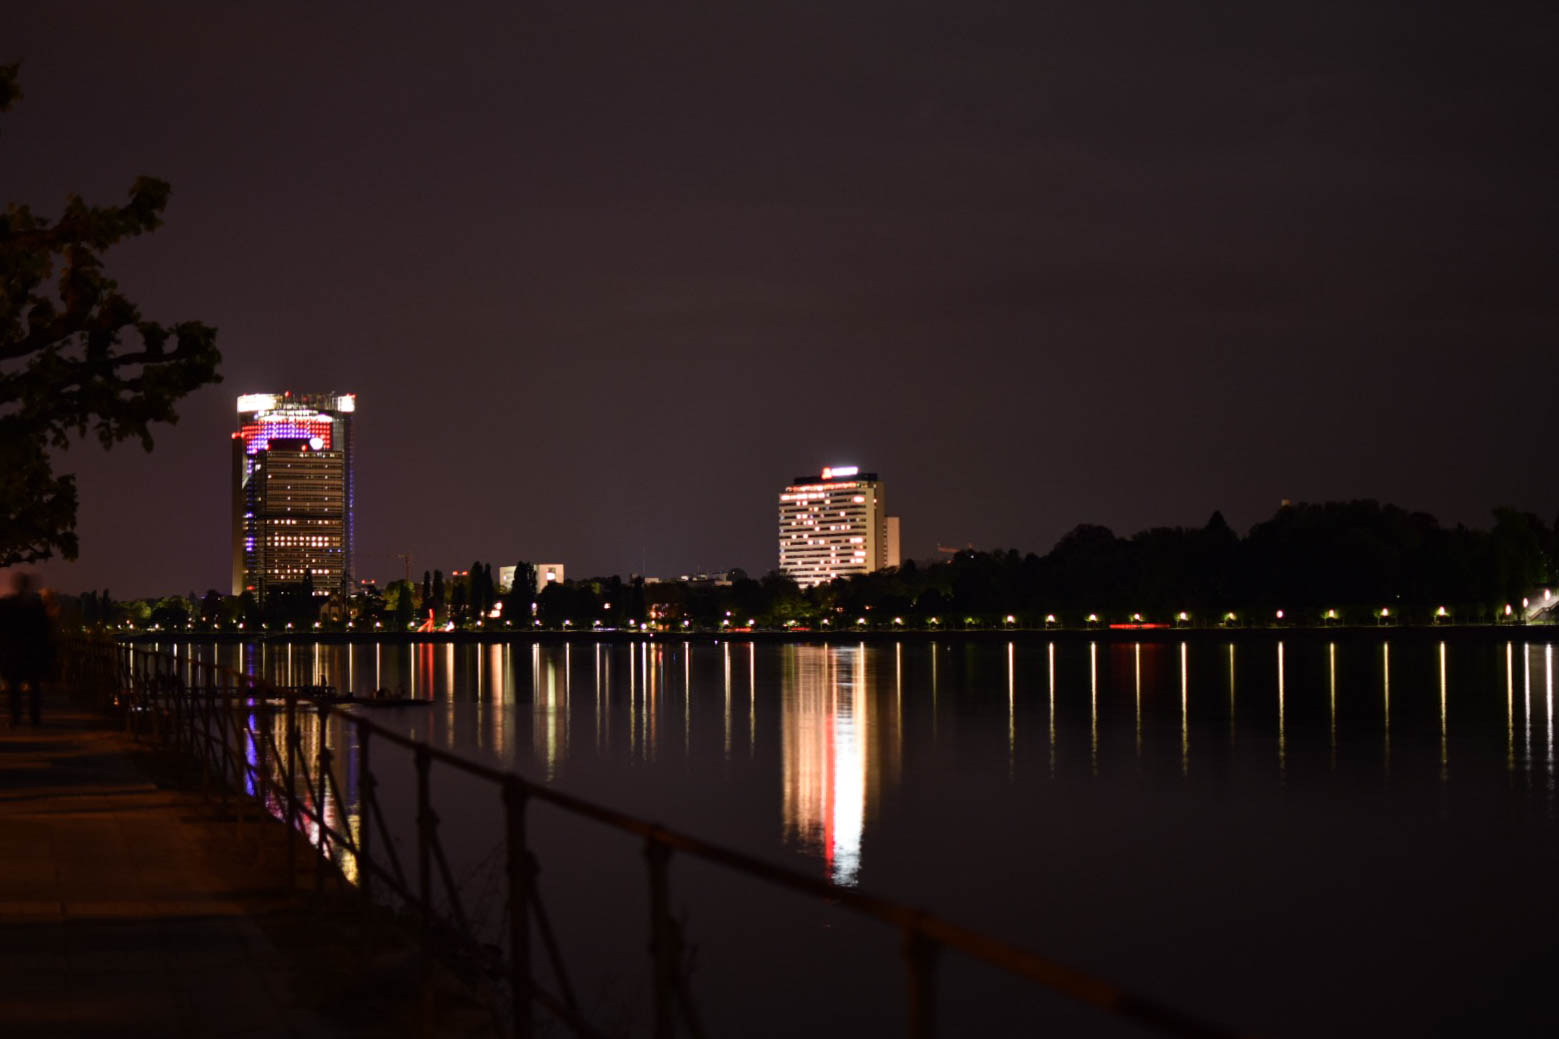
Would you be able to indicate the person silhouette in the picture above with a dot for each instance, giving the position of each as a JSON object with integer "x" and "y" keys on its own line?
{"x": 26, "y": 647}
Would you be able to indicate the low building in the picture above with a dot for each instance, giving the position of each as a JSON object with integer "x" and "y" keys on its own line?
{"x": 546, "y": 573}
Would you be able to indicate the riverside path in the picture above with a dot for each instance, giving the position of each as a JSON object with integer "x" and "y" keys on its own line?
{"x": 129, "y": 907}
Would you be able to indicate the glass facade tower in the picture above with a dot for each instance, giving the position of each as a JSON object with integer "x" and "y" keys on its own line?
{"x": 293, "y": 493}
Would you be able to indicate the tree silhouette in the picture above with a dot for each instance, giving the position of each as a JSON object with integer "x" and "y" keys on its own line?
{"x": 76, "y": 356}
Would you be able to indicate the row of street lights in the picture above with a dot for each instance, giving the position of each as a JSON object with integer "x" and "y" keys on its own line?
{"x": 1230, "y": 618}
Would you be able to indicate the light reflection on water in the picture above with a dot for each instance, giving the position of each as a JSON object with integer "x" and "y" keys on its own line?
{"x": 843, "y": 715}
{"x": 1040, "y": 790}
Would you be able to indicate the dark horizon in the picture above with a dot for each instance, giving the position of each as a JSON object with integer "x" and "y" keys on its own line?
{"x": 604, "y": 280}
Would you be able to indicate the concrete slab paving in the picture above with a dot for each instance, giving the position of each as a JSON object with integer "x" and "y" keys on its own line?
{"x": 128, "y": 907}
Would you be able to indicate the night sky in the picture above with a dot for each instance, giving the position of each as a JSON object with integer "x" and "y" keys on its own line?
{"x": 606, "y": 275}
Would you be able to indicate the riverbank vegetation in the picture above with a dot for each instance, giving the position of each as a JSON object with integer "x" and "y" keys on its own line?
{"x": 1355, "y": 562}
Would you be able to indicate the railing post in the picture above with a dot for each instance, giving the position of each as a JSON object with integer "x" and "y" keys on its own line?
{"x": 292, "y": 795}
{"x": 920, "y": 959}
{"x": 521, "y": 879}
{"x": 664, "y": 950}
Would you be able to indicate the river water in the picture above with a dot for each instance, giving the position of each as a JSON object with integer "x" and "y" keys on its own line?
{"x": 1287, "y": 836}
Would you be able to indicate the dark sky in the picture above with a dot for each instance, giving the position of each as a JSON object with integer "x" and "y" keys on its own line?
{"x": 606, "y": 275}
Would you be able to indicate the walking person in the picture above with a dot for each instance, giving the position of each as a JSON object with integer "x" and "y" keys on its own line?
{"x": 26, "y": 647}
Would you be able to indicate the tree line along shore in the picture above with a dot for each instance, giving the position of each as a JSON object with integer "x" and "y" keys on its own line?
{"x": 1327, "y": 565}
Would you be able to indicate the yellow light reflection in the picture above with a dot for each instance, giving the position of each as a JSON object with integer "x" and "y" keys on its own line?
{"x": 448, "y": 683}
{"x": 1385, "y": 697}
{"x": 633, "y": 703}
{"x": 1231, "y": 695}
{"x": 600, "y": 708}
{"x": 933, "y": 693}
{"x": 1526, "y": 703}
{"x": 1444, "y": 761}
{"x": 647, "y": 703}
{"x": 1282, "y": 727}
{"x": 1510, "y": 707}
{"x": 1050, "y": 694}
{"x": 1548, "y": 679}
{"x": 752, "y": 699}
{"x": 727, "y": 648}
{"x": 1331, "y": 686}
{"x": 497, "y": 706}
{"x": 1136, "y": 667}
{"x": 1185, "y": 710}
{"x": 1093, "y": 706}
{"x": 545, "y": 723}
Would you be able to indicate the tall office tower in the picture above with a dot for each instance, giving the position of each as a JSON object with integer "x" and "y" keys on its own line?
{"x": 293, "y": 491}
{"x": 834, "y": 525}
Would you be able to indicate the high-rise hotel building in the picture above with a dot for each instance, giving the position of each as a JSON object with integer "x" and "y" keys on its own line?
{"x": 835, "y": 525}
{"x": 293, "y": 492}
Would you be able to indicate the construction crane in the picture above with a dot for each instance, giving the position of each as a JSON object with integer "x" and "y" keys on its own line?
{"x": 405, "y": 558}
{"x": 954, "y": 551}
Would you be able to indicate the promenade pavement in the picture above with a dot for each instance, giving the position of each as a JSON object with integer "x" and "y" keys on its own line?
{"x": 130, "y": 907}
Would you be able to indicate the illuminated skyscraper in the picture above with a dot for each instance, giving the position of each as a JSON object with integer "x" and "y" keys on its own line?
{"x": 834, "y": 525}
{"x": 293, "y": 492}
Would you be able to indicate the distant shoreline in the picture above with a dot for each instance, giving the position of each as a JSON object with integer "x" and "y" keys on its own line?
{"x": 1544, "y": 633}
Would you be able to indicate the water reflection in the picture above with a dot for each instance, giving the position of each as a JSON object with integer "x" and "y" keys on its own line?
{"x": 1282, "y": 727}
{"x": 1093, "y": 706}
{"x": 839, "y": 721}
{"x": 1331, "y": 700}
{"x": 1548, "y": 681}
{"x": 1526, "y": 702}
{"x": 1510, "y": 708}
{"x": 1232, "y": 734}
{"x": 1444, "y": 749}
{"x": 1050, "y": 700}
{"x": 1136, "y": 671}
{"x": 1185, "y": 709}
{"x": 1385, "y": 697}
{"x": 826, "y": 723}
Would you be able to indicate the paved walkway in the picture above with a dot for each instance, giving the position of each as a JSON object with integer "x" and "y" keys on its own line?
{"x": 130, "y": 908}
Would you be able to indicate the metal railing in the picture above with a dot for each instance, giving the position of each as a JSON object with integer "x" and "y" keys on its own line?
{"x": 246, "y": 738}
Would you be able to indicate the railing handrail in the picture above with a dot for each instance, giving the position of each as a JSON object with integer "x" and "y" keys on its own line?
{"x": 917, "y": 925}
